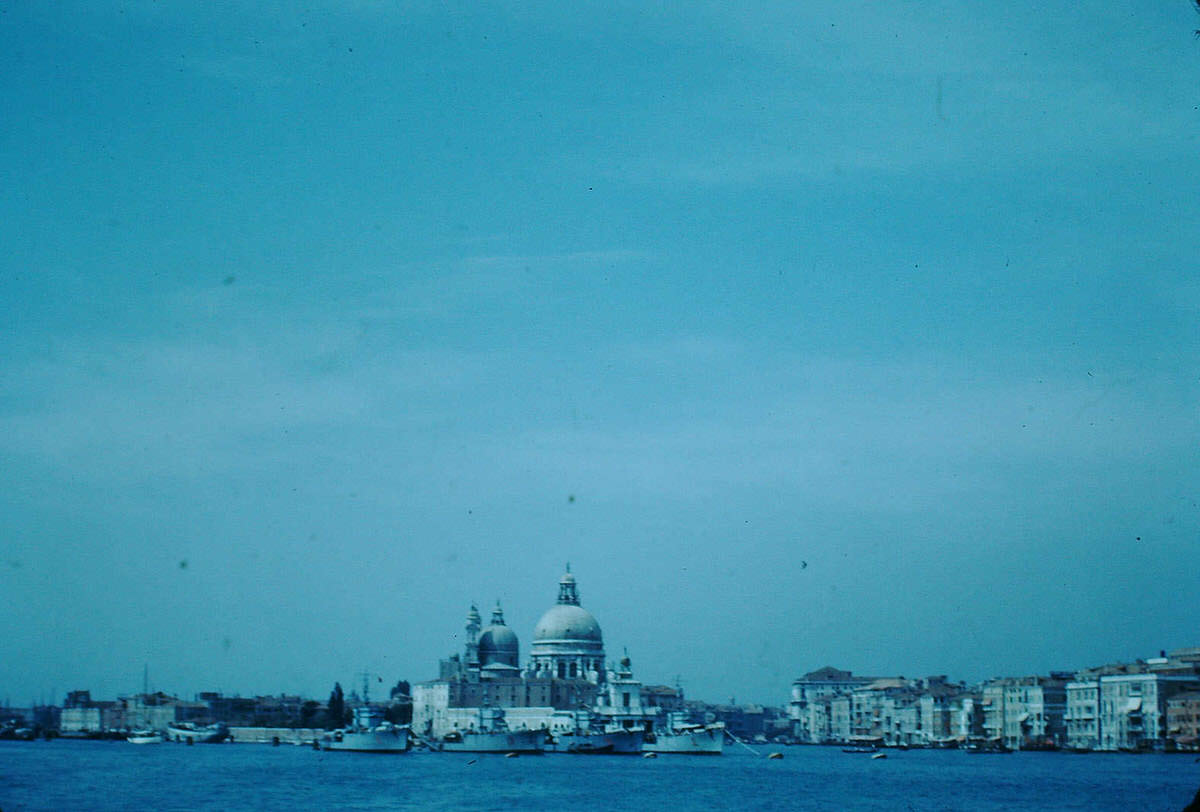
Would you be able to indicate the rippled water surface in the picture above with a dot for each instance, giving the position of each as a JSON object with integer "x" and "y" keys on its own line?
{"x": 117, "y": 775}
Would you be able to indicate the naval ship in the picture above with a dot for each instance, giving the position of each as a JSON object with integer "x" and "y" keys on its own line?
{"x": 493, "y": 736}
{"x": 681, "y": 737}
{"x": 584, "y": 734}
{"x": 370, "y": 733}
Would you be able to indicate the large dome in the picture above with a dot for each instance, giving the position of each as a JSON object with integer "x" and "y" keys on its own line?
{"x": 567, "y": 622}
{"x": 566, "y": 642}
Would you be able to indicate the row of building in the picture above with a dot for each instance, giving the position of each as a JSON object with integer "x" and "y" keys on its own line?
{"x": 80, "y": 714}
{"x": 567, "y": 680}
{"x": 1151, "y": 704}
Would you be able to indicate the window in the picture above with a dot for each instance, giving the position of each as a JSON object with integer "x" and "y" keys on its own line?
{"x": 625, "y": 699}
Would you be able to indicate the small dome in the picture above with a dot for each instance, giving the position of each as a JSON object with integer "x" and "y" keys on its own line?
{"x": 567, "y": 621}
{"x": 497, "y": 638}
{"x": 498, "y": 643}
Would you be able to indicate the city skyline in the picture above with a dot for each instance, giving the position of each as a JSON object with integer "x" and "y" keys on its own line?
{"x": 831, "y": 334}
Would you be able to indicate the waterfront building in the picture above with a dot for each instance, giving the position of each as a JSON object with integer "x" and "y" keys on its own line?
{"x": 620, "y": 702}
{"x": 81, "y": 714}
{"x": 935, "y": 703}
{"x": 146, "y": 711}
{"x": 812, "y": 724}
{"x": 879, "y": 711}
{"x": 841, "y": 716}
{"x": 967, "y": 716}
{"x": 1026, "y": 712}
{"x": 1124, "y": 706}
{"x": 1133, "y": 708}
{"x": 1083, "y": 720}
{"x": 668, "y": 699}
{"x": 1183, "y": 720}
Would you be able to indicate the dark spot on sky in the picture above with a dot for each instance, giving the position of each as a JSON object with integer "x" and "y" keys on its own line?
{"x": 183, "y": 564}
{"x": 229, "y": 280}
{"x": 226, "y": 643}
{"x": 1138, "y": 538}
{"x": 803, "y": 565}
{"x": 15, "y": 564}
{"x": 571, "y": 498}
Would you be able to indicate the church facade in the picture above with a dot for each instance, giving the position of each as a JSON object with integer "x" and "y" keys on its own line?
{"x": 564, "y": 680}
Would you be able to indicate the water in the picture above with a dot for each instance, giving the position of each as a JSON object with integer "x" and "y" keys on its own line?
{"x": 117, "y": 775}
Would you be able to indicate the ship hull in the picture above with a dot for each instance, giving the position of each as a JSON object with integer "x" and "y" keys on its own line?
{"x": 708, "y": 741}
{"x": 516, "y": 741}
{"x": 370, "y": 741}
{"x": 617, "y": 743}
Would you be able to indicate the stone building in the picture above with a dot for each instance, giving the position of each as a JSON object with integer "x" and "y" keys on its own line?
{"x": 1124, "y": 706}
{"x": 1026, "y": 713}
{"x": 1183, "y": 720}
{"x": 810, "y": 717}
{"x": 879, "y": 711}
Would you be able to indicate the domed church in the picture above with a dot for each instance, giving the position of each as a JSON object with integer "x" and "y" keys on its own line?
{"x": 566, "y": 671}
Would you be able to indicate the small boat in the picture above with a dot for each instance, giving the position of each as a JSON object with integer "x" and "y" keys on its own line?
{"x": 144, "y": 737}
{"x": 986, "y": 750}
{"x": 865, "y": 750}
{"x": 190, "y": 732}
{"x": 878, "y": 756}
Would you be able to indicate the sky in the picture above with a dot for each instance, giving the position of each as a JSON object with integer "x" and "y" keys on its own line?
{"x": 821, "y": 333}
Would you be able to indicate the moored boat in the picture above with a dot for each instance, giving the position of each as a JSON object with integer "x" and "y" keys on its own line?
{"x": 492, "y": 736}
{"x": 206, "y": 734}
{"x": 370, "y": 733}
{"x": 491, "y": 741}
{"x": 584, "y": 732}
{"x": 700, "y": 740}
{"x": 144, "y": 737}
{"x": 615, "y": 742}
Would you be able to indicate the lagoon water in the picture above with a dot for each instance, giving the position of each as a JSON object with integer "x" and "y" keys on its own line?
{"x": 75, "y": 775}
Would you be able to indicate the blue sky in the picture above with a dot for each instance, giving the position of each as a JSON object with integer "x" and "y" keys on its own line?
{"x": 821, "y": 334}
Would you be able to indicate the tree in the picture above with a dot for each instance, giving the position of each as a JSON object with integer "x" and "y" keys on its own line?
{"x": 308, "y": 712}
{"x": 335, "y": 711}
{"x": 399, "y": 712}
